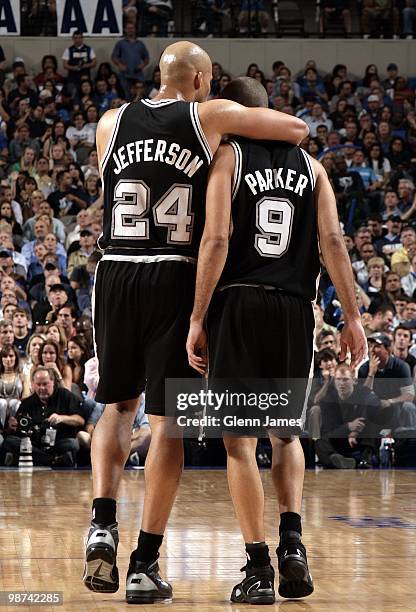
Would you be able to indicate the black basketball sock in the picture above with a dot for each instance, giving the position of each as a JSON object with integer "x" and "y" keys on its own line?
{"x": 290, "y": 521}
{"x": 257, "y": 555}
{"x": 148, "y": 546}
{"x": 104, "y": 511}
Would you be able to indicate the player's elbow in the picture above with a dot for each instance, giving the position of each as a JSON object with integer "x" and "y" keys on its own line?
{"x": 213, "y": 243}
{"x": 301, "y": 129}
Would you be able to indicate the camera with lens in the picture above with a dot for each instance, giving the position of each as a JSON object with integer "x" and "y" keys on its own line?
{"x": 25, "y": 425}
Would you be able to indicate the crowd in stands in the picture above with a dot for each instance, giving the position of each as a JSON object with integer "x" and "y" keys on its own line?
{"x": 362, "y": 129}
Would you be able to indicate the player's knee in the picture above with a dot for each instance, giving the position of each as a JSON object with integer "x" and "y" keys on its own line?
{"x": 240, "y": 447}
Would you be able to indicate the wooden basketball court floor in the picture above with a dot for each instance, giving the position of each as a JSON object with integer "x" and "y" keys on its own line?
{"x": 359, "y": 528}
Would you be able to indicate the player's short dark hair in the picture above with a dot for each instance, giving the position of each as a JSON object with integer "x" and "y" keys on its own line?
{"x": 246, "y": 91}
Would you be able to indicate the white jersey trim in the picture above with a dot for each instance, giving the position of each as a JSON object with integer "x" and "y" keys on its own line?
{"x": 110, "y": 143}
{"x": 147, "y": 258}
{"x": 310, "y": 168}
{"x": 199, "y": 131}
{"x": 158, "y": 103}
{"x": 237, "y": 169}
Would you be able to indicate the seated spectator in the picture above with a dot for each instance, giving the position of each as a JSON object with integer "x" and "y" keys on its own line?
{"x": 391, "y": 241}
{"x": 58, "y": 227}
{"x": 409, "y": 281}
{"x": 20, "y": 142}
{"x": 398, "y": 153}
{"x": 335, "y": 8}
{"x": 32, "y": 350}
{"x": 379, "y": 164}
{"x": 84, "y": 220}
{"x": 21, "y": 330}
{"x": 8, "y": 267}
{"x": 50, "y": 406}
{"x": 81, "y": 137}
{"x": 78, "y": 355}
{"x": 92, "y": 188}
{"x": 49, "y": 63}
{"x": 400, "y": 262}
{"x": 407, "y": 197}
{"x": 402, "y": 341}
{"x": 371, "y": 183}
{"x": 379, "y": 16}
{"x": 156, "y": 15}
{"x": 82, "y": 281}
{"x": 66, "y": 200}
{"x": 253, "y": 12}
{"x": 14, "y": 386}
{"x": 45, "y": 309}
{"x": 346, "y": 92}
{"x": 349, "y": 190}
{"x": 91, "y": 168}
{"x": 57, "y": 250}
{"x": 26, "y": 162}
{"x": 80, "y": 256}
{"x": 317, "y": 117}
{"x": 367, "y": 253}
{"x": 50, "y": 357}
{"x": 326, "y": 340}
{"x": 326, "y": 361}
{"x": 375, "y": 225}
{"x": 390, "y": 379}
{"x": 49, "y": 275}
{"x": 346, "y": 431}
{"x": 7, "y": 215}
{"x": 6, "y": 333}
{"x": 391, "y": 201}
{"x": 382, "y": 321}
{"x": 56, "y": 332}
{"x": 66, "y": 316}
{"x": 375, "y": 267}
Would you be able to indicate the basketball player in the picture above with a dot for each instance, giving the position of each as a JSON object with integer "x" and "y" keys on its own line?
{"x": 277, "y": 200}
{"x": 154, "y": 157}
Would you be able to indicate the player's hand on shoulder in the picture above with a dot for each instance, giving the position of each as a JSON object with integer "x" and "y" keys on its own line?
{"x": 196, "y": 347}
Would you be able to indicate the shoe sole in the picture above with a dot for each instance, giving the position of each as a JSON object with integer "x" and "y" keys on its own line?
{"x": 102, "y": 560}
{"x": 295, "y": 580}
{"x": 259, "y": 600}
{"x": 148, "y": 597}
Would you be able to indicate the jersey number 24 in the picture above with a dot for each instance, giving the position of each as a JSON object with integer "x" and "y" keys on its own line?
{"x": 172, "y": 210}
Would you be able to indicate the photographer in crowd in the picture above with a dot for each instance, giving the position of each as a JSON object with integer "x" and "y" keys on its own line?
{"x": 51, "y": 417}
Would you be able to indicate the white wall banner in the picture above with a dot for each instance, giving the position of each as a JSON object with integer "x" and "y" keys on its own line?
{"x": 93, "y": 18}
{"x": 9, "y": 17}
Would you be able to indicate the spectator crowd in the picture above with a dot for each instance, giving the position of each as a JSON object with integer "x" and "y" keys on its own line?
{"x": 362, "y": 129}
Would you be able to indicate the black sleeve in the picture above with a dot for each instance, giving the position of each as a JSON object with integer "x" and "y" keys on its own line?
{"x": 363, "y": 371}
{"x": 69, "y": 403}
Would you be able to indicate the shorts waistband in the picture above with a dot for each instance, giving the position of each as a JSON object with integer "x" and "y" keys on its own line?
{"x": 147, "y": 258}
{"x": 267, "y": 287}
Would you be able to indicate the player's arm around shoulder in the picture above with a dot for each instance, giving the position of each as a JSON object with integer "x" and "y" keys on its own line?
{"x": 338, "y": 264}
{"x": 220, "y": 117}
{"x": 105, "y": 129}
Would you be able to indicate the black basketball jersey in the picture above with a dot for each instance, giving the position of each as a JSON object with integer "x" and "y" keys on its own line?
{"x": 274, "y": 239}
{"x": 155, "y": 173}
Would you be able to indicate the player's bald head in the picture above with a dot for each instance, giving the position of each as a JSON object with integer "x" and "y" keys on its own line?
{"x": 246, "y": 91}
{"x": 182, "y": 60}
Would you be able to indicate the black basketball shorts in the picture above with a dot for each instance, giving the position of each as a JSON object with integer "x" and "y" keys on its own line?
{"x": 141, "y": 322}
{"x": 261, "y": 334}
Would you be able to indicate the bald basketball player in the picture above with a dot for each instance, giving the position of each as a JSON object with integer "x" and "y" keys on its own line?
{"x": 261, "y": 321}
{"x": 154, "y": 157}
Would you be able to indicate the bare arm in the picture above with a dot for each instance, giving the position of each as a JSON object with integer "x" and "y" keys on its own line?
{"x": 338, "y": 264}
{"x": 104, "y": 130}
{"x": 220, "y": 117}
{"x": 213, "y": 249}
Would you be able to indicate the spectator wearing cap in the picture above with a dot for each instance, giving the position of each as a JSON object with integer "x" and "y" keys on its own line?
{"x": 45, "y": 311}
{"x": 78, "y": 60}
{"x": 390, "y": 379}
{"x": 346, "y": 431}
{"x": 400, "y": 262}
{"x": 317, "y": 117}
{"x": 409, "y": 281}
{"x": 80, "y": 256}
{"x": 391, "y": 241}
{"x": 37, "y": 290}
{"x": 9, "y": 267}
{"x": 402, "y": 341}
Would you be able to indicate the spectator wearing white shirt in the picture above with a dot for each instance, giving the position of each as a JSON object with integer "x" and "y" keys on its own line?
{"x": 81, "y": 137}
{"x": 409, "y": 281}
{"x": 317, "y": 117}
